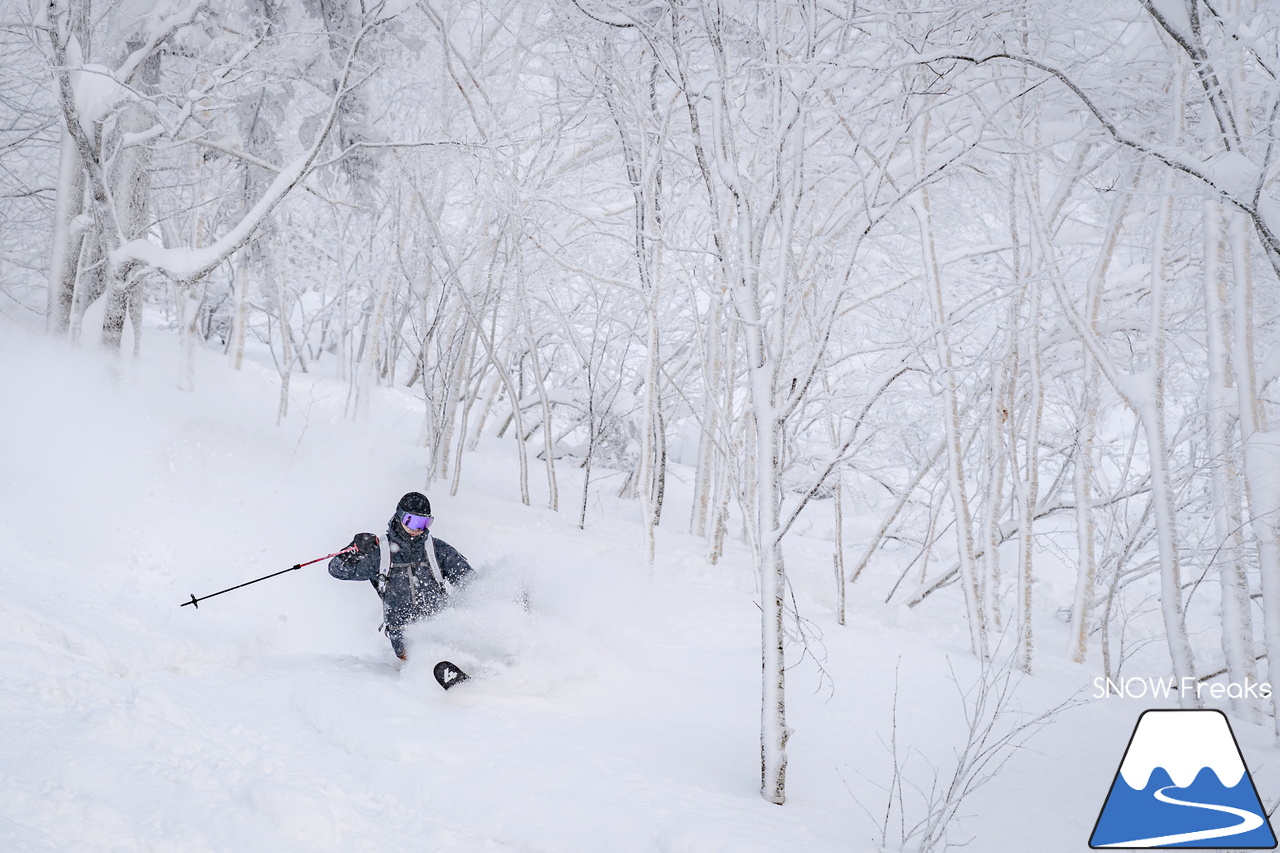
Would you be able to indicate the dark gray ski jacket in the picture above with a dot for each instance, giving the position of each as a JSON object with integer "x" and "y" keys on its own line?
{"x": 410, "y": 591}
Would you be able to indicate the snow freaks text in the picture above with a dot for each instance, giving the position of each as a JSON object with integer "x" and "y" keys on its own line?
{"x": 1164, "y": 688}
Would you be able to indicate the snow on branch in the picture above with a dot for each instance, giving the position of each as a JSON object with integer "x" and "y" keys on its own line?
{"x": 160, "y": 31}
{"x": 186, "y": 263}
{"x": 1232, "y": 176}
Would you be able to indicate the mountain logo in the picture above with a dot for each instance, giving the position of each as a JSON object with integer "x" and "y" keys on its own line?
{"x": 1183, "y": 783}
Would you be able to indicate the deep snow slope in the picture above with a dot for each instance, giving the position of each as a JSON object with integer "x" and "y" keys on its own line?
{"x": 613, "y": 710}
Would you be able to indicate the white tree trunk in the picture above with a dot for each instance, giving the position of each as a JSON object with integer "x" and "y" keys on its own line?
{"x": 1261, "y": 451}
{"x": 68, "y": 227}
{"x": 1151, "y": 408}
{"x": 712, "y": 372}
{"x": 1086, "y": 574}
{"x": 548, "y": 433}
{"x": 838, "y": 550}
{"x": 1029, "y": 483}
{"x": 190, "y": 301}
{"x": 647, "y": 469}
{"x": 1029, "y": 480}
{"x": 240, "y": 312}
{"x": 366, "y": 375}
{"x": 68, "y": 237}
{"x": 997, "y": 462}
{"x": 773, "y": 727}
{"x": 1226, "y": 494}
{"x": 951, "y": 423}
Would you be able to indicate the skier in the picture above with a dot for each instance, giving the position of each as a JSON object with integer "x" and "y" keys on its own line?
{"x": 410, "y": 577}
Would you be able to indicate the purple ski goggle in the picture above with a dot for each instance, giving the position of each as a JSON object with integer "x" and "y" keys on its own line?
{"x": 415, "y": 522}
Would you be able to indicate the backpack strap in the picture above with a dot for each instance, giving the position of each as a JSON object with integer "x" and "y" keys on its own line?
{"x": 384, "y": 566}
{"x": 430, "y": 549}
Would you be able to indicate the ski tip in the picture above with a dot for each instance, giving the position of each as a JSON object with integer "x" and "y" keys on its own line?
{"x": 449, "y": 675}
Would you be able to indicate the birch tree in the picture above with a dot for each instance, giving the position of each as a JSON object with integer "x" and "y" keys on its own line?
{"x": 111, "y": 120}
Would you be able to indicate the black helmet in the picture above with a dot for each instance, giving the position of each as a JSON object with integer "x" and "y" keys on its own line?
{"x": 415, "y": 503}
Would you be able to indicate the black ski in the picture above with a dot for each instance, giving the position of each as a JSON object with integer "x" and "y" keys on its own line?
{"x": 449, "y": 675}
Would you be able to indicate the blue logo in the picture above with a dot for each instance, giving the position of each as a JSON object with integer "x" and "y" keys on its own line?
{"x": 1183, "y": 783}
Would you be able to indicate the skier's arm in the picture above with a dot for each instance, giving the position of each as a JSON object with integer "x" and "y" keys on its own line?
{"x": 358, "y": 565}
{"x": 453, "y": 566}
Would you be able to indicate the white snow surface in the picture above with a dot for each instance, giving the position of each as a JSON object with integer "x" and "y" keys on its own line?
{"x": 619, "y": 712}
{"x": 1183, "y": 743}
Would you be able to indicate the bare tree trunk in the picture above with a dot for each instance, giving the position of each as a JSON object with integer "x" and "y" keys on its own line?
{"x": 462, "y": 443}
{"x": 68, "y": 228}
{"x": 548, "y": 432}
{"x": 999, "y": 415}
{"x": 1225, "y": 488}
{"x": 366, "y": 374}
{"x": 1086, "y": 573}
{"x": 490, "y": 396}
{"x": 773, "y": 737}
{"x": 447, "y": 416}
{"x": 513, "y": 394}
{"x": 92, "y": 281}
{"x": 711, "y": 377}
{"x": 288, "y": 352}
{"x": 190, "y": 303}
{"x": 132, "y": 196}
{"x": 1087, "y": 570}
{"x": 951, "y": 422}
{"x": 240, "y": 312}
{"x": 649, "y": 471}
{"x": 1261, "y": 456}
{"x": 591, "y": 447}
{"x": 68, "y": 237}
{"x": 1029, "y": 483}
{"x": 720, "y": 509}
{"x": 724, "y": 448}
{"x": 838, "y": 551}
{"x": 1151, "y": 409}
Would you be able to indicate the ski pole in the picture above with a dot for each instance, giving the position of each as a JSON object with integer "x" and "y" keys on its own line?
{"x": 195, "y": 602}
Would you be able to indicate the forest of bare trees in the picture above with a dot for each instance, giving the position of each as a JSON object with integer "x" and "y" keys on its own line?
{"x": 999, "y": 277}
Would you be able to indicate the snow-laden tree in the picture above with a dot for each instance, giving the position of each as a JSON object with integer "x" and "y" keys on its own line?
{"x": 140, "y": 87}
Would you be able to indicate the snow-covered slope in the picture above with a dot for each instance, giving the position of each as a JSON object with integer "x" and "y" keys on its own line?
{"x": 617, "y": 712}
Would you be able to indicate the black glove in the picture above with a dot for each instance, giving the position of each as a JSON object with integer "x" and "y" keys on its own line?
{"x": 366, "y": 543}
